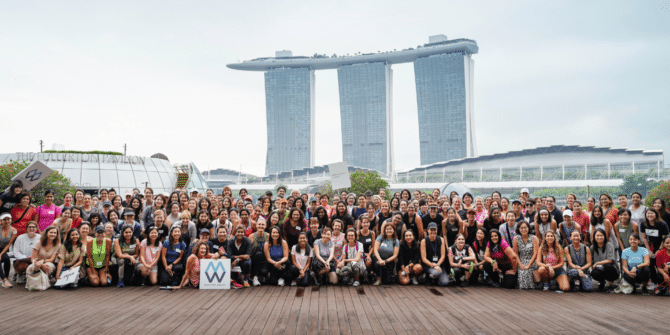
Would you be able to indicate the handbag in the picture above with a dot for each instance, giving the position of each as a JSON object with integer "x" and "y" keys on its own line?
{"x": 624, "y": 287}
{"x": 37, "y": 281}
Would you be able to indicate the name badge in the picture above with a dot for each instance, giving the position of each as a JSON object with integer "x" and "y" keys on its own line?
{"x": 177, "y": 250}
{"x": 368, "y": 240}
{"x": 622, "y": 230}
{"x": 51, "y": 212}
{"x": 98, "y": 263}
{"x": 298, "y": 228}
{"x": 160, "y": 232}
{"x": 216, "y": 247}
{"x": 435, "y": 258}
{"x": 132, "y": 246}
{"x": 652, "y": 232}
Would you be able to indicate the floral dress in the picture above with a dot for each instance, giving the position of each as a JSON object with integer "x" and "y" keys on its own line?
{"x": 526, "y": 251}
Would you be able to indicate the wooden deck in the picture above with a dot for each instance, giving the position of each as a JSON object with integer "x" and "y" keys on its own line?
{"x": 330, "y": 310}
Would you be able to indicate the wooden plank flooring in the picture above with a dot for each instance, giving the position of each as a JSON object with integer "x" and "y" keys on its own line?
{"x": 328, "y": 310}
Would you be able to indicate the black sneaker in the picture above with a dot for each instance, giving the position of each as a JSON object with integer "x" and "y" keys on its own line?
{"x": 465, "y": 283}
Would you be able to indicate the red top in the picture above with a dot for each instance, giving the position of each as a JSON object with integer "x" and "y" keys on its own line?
{"x": 662, "y": 258}
{"x": 20, "y": 225}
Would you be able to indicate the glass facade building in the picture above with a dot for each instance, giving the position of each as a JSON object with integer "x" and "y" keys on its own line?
{"x": 289, "y": 100}
{"x": 365, "y": 113}
{"x": 92, "y": 172}
{"x": 444, "y": 92}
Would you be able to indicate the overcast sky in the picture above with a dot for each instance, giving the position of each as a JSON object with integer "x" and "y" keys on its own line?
{"x": 94, "y": 75}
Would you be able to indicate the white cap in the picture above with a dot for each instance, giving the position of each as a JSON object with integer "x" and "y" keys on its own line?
{"x": 5, "y": 215}
{"x": 567, "y": 212}
{"x": 525, "y": 190}
{"x": 193, "y": 190}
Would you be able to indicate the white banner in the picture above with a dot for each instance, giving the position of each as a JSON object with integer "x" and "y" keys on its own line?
{"x": 68, "y": 277}
{"x": 215, "y": 274}
{"x": 33, "y": 174}
{"x": 339, "y": 175}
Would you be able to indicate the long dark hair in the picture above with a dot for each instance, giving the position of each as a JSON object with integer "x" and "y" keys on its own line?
{"x": 495, "y": 246}
{"x": 308, "y": 249}
{"x": 157, "y": 241}
{"x": 138, "y": 210}
{"x": 322, "y": 222}
{"x": 404, "y": 234}
{"x": 279, "y": 239}
{"x": 68, "y": 243}
{"x": 594, "y": 220}
{"x": 172, "y": 240}
{"x": 44, "y": 240}
{"x": 122, "y": 239}
{"x": 603, "y": 249}
{"x": 656, "y": 221}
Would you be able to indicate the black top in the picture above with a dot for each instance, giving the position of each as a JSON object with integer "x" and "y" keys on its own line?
{"x": 346, "y": 219}
{"x": 655, "y": 234}
{"x": 426, "y": 219}
{"x": 244, "y": 249}
{"x": 488, "y": 224}
{"x": 452, "y": 231}
{"x": 411, "y": 225}
{"x": 366, "y": 241}
{"x": 216, "y": 245}
{"x": 409, "y": 255}
{"x": 163, "y": 231}
{"x": 472, "y": 234}
{"x": 8, "y": 202}
{"x": 558, "y": 215}
{"x": 311, "y": 239}
{"x": 434, "y": 249}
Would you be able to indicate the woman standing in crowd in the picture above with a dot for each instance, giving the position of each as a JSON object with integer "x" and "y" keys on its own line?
{"x": 550, "y": 262}
{"x": 87, "y": 208}
{"x": 295, "y": 226}
{"x": 605, "y": 267}
{"x": 367, "y": 237}
{"x": 409, "y": 259}
{"x": 203, "y": 222}
{"x": 258, "y": 259}
{"x": 451, "y": 225}
{"x": 544, "y": 222}
{"x": 659, "y": 205}
{"x": 434, "y": 256}
{"x": 351, "y": 264}
{"x": 7, "y": 238}
{"x": 579, "y": 262}
{"x": 598, "y": 220}
{"x": 480, "y": 212}
{"x": 98, "y": 252}
{"x": 663, "y": 267}
{"x": 461, "y": 261}
{"x": 126, "y": 253}
{"x": 413, "y": 222}
{"x": 171, "y": 267}
{"x": 324, "y": 258}
{"x": 337, "y": 238}
{"x": 500, "y": 259}
{"x": 526, "y": 247}
{"x": 22, "y": 213}
{"x": 625, "y": 228}
{"x": 175, "y": 214}
{"x": 11, "y": 197}
{"x": 277, "y": 253}
{"x": 635, "y": 263}
{"x": 46, "y": 213}
{"x": 342, "y": 214}
{"x": 301, "y": 257}
{"x": 494, "y": 221}
{"x": 71, "y": 253}
{"x": 508, "y": 229}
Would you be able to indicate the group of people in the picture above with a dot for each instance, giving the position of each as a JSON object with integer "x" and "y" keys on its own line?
{"x": 407, "y": 238}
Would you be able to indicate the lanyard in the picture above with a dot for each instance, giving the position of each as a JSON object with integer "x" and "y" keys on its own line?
{"x": 578, "y": 255}
{"x": 434, "y": 245}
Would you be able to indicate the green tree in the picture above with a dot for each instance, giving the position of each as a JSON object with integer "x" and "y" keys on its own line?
{"x": 662, "y": 191}
{"x": 637, "y": 182}
{"x": 56, "y": 182}
{"x": 360, "y": 183}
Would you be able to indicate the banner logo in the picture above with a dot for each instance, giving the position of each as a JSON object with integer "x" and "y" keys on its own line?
{"x": 212, "y": 272}
{"x": 33, "y": 175}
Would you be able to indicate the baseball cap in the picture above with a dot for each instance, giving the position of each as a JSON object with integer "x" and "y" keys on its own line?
{"x": 432, "y": 225}
{"x": 432, "y": 206}
{"x": 567, "y": 212}
{"x": 516, "y": 201}
{"x": 248, "y": 197}
{"x": 5, "y": 215}
{"x": 193, "y": 190}
{"x": 128, "y": 211}
{"x": 106, "y": 203}
{"x": 99, "y": 229}
{"x": 524, "y": 190}
{"x": 313, "y": 199}
{"x": 268, "y": 192}
{"x": 204, "y": 231}
{"x": 129, "y": 192}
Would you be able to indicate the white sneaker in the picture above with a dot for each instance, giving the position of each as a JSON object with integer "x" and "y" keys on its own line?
{"x": 256, "y": 282}
{"x": 356, "y": 283}
{"x": 280, "y": 282}
{"x": 414, "y": 281}
{"x": 293, "y": 283}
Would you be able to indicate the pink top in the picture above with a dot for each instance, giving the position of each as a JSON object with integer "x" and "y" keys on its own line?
{"x": 46, "y": 215}
{"x": 338, "y": 244}
{"x": 195, "y": 273}
{"x": 499, "y": 254}
{"x": 150, "y": 252}
{"x": 550, "y": 258}
{"x": 481, "y": 216}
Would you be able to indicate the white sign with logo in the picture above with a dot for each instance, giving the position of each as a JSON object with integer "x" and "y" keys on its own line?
{"x": 70, "y": 276}
{"x": 339, "y": 175}
{"x": 215, "y": 274}
{"x": 33, "y": 174}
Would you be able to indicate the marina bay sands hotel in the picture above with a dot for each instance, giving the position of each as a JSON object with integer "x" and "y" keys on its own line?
{"x": 443, "y": 71}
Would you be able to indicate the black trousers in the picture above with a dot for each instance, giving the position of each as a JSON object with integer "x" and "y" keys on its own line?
{"x": 641, "y": 277}
{"x": 508, "y": 281}
{"x": 164, "y": 278}
{"x": 385, "y": 272}
{"x": 609, "y": 272}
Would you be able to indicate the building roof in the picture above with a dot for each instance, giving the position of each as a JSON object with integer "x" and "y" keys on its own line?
{"x": 539, "y": 151}
{"x": 391, "y": 57}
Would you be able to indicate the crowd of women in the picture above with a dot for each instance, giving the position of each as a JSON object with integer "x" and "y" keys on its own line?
{"x": 347, "y": 239}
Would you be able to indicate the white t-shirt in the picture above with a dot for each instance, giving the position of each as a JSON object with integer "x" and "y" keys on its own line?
{"x": 299, "y": 257}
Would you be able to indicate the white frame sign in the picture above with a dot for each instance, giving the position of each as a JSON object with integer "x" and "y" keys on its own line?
{"x": 215, "y": 274}
{"x": 339, "y": 175}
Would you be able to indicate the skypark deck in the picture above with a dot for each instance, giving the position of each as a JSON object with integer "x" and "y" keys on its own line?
{"x": 392, "y": 57}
